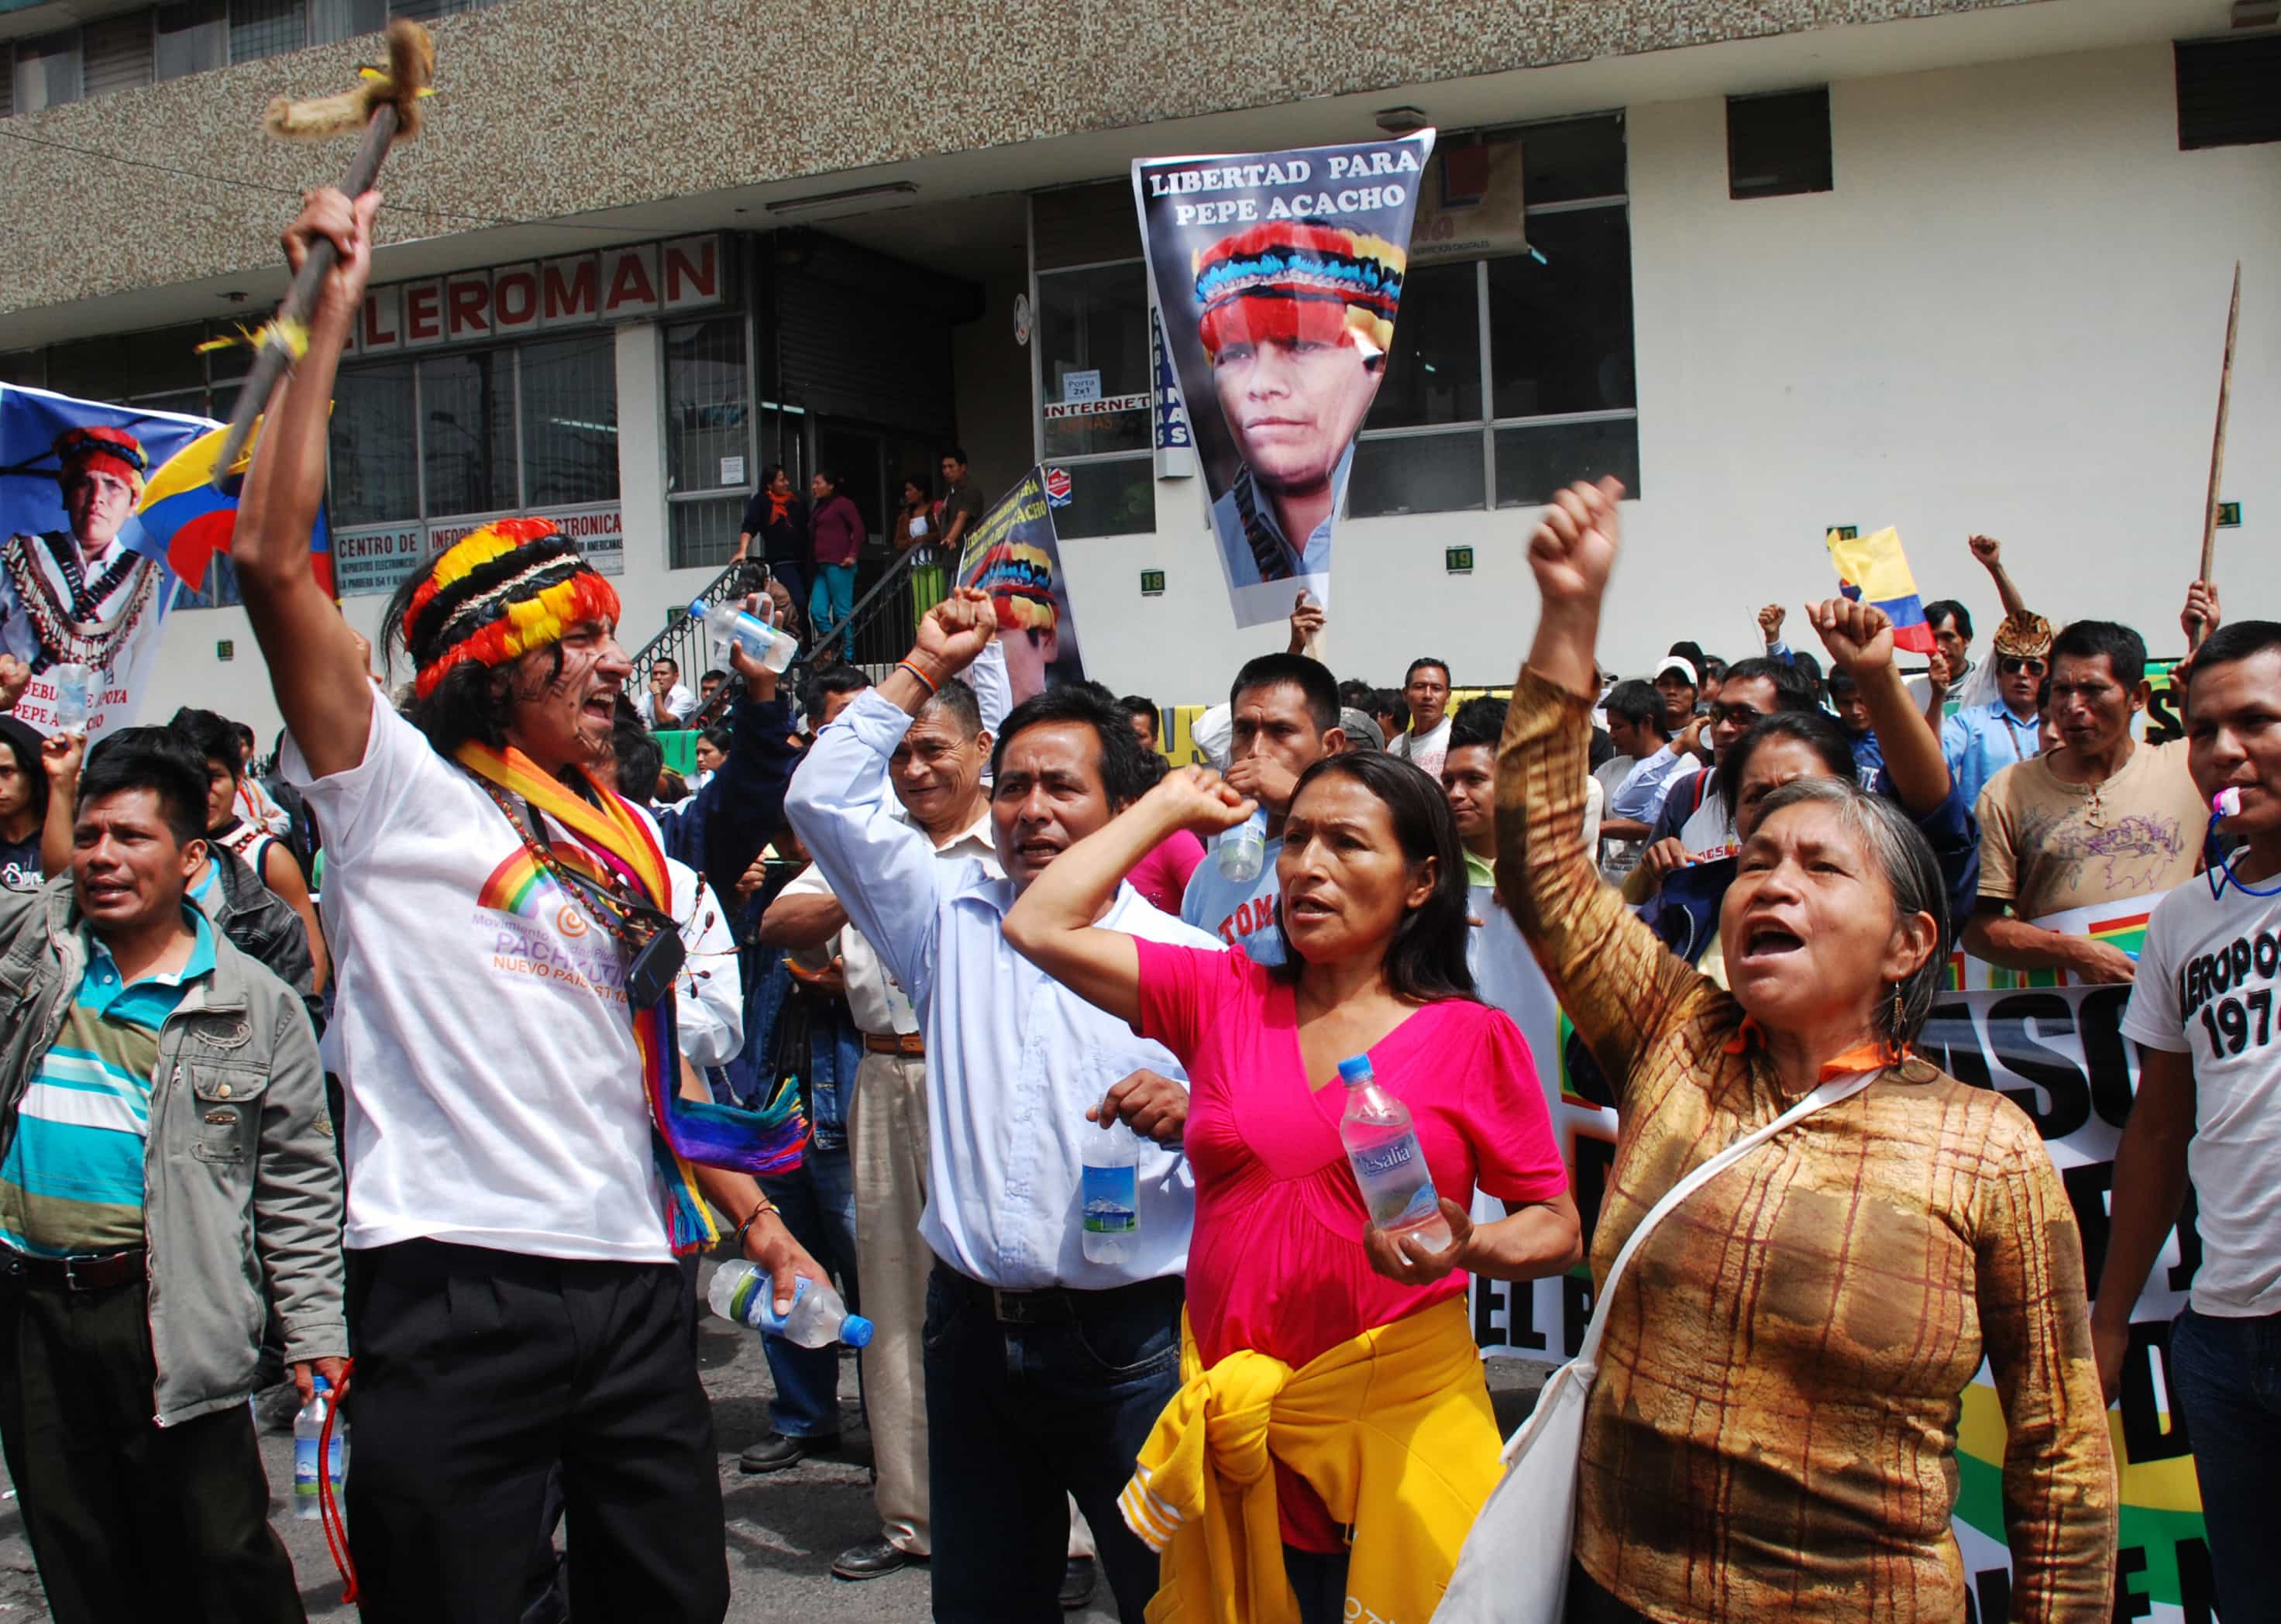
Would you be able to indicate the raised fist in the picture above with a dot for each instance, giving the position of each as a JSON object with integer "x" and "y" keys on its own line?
{"x": 1575, "y": 544}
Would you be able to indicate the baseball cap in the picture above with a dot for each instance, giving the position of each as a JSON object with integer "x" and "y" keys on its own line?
{"x": 1361, "y": 729}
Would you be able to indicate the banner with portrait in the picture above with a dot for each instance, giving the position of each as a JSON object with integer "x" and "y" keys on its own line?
{"x": 1012, "y": 553}
{"x": 1279, "y": 276}
{"x": 2058, "y": 1052}
{"x": 74, "y": 591}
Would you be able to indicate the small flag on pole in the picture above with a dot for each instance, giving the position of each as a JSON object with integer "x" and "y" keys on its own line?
{"x": 1874, "y": 568}
{"x": 186, "y": 516}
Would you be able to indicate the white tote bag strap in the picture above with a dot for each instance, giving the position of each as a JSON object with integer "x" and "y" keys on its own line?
{"x": 1835, "y": 1089}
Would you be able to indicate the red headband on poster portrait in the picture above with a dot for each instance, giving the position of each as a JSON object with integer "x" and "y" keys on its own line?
{"x": 100, "y": 449}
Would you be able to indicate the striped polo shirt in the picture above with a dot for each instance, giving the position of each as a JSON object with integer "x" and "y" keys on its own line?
{"x": 72, "y": 1181}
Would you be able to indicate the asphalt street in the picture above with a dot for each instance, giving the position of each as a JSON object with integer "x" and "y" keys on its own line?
{"x": 784, "y": 1527}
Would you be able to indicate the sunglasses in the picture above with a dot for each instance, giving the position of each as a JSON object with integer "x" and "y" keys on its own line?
{"x": 2012, "y": 665}
{"x": 1736, "y": 715}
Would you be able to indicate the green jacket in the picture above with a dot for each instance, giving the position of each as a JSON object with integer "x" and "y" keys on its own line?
{"x": 242, "y": 1186}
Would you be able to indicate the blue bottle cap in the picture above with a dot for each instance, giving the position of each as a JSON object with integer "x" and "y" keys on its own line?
{"x": 697, "y": 608}
{"x": 855, "y": 1331}
{"x": 1355, "y": 1070}
{"x": 317, "y": 1384}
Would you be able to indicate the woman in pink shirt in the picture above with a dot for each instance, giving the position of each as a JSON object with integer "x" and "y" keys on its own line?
{"x": 1284, "y": 1259}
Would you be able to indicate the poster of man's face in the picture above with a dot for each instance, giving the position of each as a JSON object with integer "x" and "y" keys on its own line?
{"x": 1013, "y": 555}
{"x": 98, "y": 503}
{"x": 73, "y": 591}
{"x": 1279, "y": 276}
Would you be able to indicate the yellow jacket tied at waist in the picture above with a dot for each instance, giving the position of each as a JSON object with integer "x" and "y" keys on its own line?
{"x": 1393, "y": 1429}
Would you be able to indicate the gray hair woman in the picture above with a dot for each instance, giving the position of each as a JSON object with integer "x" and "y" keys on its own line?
{"x": 1772, "y": 1434}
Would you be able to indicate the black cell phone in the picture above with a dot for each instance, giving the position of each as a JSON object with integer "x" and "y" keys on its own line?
{"x": 651, "y": 977}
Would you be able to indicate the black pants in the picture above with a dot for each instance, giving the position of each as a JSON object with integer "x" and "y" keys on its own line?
{"x": 478, "y": 1375}
{"x": 1018, "y": 1415}
{"x": 1589, "y": 1601}
{"x": 128, "y": 1520}
{"x": 1319, "y": 1581}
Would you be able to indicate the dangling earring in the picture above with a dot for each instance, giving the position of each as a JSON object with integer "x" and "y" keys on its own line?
{"x": 1896, "y": 1024}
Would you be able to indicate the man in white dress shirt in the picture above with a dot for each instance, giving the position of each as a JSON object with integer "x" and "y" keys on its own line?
{"x": 938, "y": 772}
{"x": 667, "y": 702}
{"x": 1044, "y": 1371}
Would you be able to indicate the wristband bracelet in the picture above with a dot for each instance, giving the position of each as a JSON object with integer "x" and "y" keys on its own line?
{"x": 919, "y": 677}
{"x": 752, "y": 1218}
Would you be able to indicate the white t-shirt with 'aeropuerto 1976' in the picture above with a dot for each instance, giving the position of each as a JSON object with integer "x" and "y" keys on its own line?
{"x": 2210, "y": 977}
{"x": 495, "y": 1093}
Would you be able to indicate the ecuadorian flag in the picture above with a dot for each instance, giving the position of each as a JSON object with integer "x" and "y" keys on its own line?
{"x": 1875, "y": 568}
{"x": 186, "y": 516}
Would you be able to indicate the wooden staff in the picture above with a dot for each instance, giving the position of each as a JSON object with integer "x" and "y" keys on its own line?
{"x": 2217, "y": 445}
{"x": 386, "y": 106}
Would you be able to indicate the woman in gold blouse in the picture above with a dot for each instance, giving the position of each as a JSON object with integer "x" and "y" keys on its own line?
{"x": 1773, "y": 1435}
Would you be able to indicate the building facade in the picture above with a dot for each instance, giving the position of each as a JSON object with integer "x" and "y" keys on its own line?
{"x": 1950, "y": 266}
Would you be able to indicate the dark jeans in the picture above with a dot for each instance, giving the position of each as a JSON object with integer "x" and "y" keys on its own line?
{"x": 1319, "y": 1580}
{"x": 818, "y": 1204}
{"x": 1020, "y": 1415}
{"x": 128, "y": 1520}
{"x": 480, "y": 1374}
{"x": 2225, "y": 1375}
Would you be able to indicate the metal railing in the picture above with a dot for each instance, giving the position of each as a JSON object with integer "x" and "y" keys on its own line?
{"x": 682, "y": 641}
{"x": 877, "y": 632}
{"x": 879, "y": 627}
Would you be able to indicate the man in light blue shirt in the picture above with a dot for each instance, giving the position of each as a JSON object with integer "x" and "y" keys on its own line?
{"x": 1638, "y": 778}
{"x": 1045, "y": 1370}
{"x": 1982, "y": 740}
{"x": 1283, "y": 712}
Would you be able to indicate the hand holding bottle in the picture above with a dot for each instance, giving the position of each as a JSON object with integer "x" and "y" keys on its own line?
{"x": 1198, "y": 799}
{"x": 1153, "y": 1106}
{"x": 1409, "y": 1258}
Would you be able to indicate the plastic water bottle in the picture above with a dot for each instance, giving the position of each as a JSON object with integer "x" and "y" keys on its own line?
{"x": 729, "y": 624}
{"x": 1382, "y": 1148}
{"x": 1108, "y": 1186}
{"x": 1243, "y": 849}
{"x": 744, "y": 1294}
{"x": 308, "y": 1438}
{"x": 71, "y": 682}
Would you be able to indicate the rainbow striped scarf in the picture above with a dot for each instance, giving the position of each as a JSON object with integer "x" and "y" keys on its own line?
{"x": 613, "y": 844}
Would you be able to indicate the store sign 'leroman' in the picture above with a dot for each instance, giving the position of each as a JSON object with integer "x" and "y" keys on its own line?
{"x": 506, "y": 301}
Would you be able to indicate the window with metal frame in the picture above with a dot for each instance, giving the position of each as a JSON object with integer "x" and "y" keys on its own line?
{"x": 117, "y": 53}
{"x": 710, "y": 449}
{"x": 2229, "y": 91}
{"x": 48, "y": 71}
{"x": 1096, "y": 371}
{"x": 1510, "y": 376}
{"x": 1779, "y": 145}
{"x": 191, "y": 37}
{"x": 569, "y": 402}
{"x": 262, "y": 29}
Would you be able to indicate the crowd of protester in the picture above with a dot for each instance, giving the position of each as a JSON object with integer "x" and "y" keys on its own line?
{"x": 552, "y": 1002}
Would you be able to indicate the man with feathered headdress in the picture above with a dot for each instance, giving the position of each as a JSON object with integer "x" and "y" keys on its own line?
{"x": 1296, "y": 320}
{"x": 520, "y": 1130}
{"x": 80, "y": 595}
